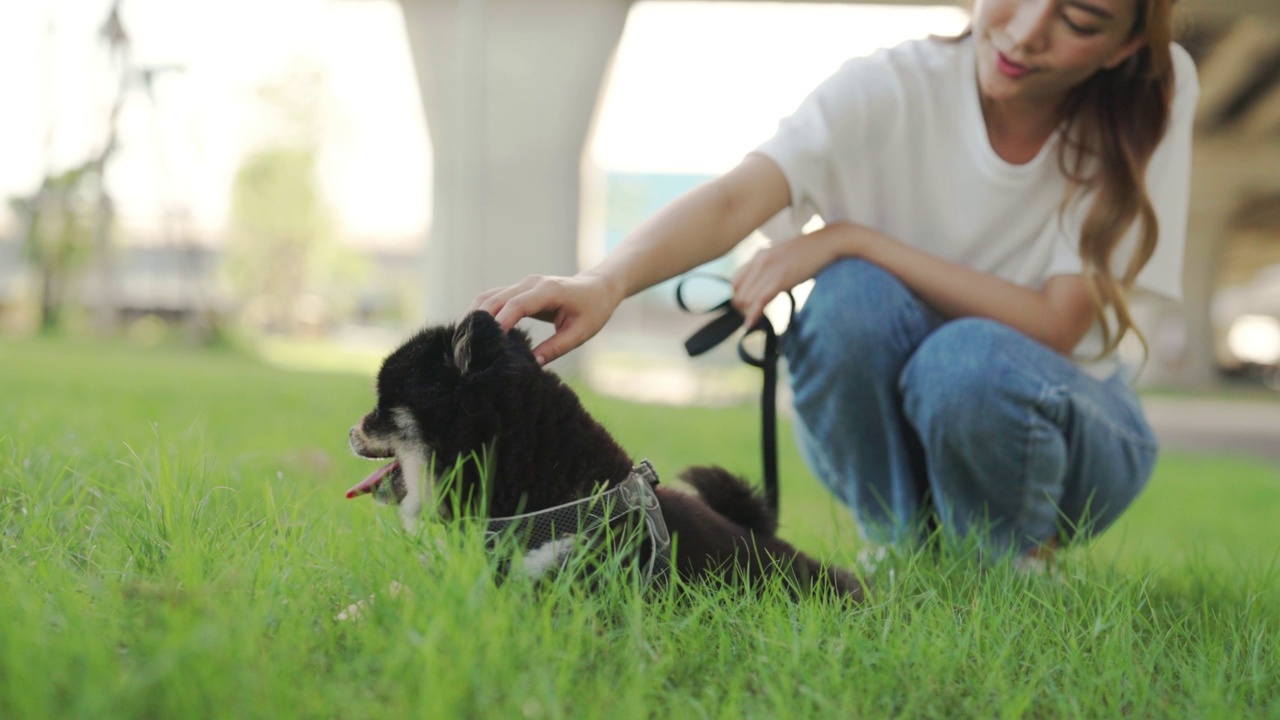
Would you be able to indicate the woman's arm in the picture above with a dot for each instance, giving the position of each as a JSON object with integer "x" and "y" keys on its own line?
{"x": 1057, "y": 315}
{"x": 701, "y": 225}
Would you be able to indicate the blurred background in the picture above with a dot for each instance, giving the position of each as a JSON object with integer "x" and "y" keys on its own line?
{"x": 313, "y": 179}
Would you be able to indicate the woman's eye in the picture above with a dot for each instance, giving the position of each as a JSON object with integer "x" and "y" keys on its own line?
{"x": 1078, "y": 28}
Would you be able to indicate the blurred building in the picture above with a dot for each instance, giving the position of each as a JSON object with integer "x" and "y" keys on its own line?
{"x": 185, "y": 284}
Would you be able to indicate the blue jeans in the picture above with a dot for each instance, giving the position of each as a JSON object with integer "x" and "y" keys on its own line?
{"x": 913, "y": 420}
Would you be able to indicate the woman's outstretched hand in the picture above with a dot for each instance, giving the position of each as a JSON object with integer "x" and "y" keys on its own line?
{"x": 578, "y": 306}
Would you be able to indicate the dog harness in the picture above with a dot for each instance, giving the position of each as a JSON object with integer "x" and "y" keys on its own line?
{"x": 593, "y": 517}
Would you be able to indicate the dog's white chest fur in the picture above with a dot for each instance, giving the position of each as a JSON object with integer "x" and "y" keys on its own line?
{"x": 546, "y": 557}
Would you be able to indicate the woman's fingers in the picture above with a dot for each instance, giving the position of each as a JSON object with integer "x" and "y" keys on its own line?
{"x": 567, "y": 337}
{"x": 577, "y": 307}
{"x": 526, "y": 304}
{"x": 753, "y": 288}
{"x": 528, "y": 298}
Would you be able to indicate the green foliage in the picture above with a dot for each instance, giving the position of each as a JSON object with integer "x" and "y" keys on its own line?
{"x": 276, "y": 198}
{"x": 283, "y": 258}
{"x": 173, "y": 543}
{"x": 281, "y": 230}
{"x": 59, "y": 221}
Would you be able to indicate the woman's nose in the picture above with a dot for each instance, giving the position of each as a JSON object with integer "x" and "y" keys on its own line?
{"x": 1029, "y": 26}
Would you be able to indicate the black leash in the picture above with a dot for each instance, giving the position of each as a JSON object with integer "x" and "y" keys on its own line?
{"x": 717, "y": 331}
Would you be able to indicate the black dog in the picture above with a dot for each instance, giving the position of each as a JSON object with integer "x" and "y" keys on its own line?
{"x": 452, "y": 392}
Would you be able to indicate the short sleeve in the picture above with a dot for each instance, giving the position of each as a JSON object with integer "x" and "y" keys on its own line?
{"x": 1169, "y": 187}
{"x": 833, "y": 124}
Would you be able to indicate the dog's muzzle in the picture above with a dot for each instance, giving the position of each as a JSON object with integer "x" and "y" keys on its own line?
{"x": 589, "y": 517}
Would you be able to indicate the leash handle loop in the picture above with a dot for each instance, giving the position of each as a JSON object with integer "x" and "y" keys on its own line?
{"x": 719, "y": 329}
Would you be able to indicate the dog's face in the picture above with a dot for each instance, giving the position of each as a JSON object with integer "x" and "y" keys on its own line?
{"x": 438, "y": 377}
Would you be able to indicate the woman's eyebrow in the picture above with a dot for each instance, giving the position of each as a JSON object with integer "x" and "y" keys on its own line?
{"x": 1092, "y": 9}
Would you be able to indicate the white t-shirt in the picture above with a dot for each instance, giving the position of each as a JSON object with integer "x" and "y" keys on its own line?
{"x": 896, "y": 141}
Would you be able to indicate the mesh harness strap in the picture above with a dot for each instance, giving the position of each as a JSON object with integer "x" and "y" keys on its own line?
{"x": 593, "y": 514}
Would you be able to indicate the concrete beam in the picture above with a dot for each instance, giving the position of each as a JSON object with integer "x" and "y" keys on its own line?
{"x": 1197, "y": 10}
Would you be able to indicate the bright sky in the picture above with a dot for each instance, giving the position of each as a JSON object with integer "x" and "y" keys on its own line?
{"x": 375, "y": 157}
{"x": 695, "y": 86}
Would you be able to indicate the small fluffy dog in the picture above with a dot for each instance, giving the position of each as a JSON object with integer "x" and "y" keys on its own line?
{"x": 452, "y": 392}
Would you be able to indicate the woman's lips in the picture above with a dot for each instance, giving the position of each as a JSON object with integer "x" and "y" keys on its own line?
{"x": 1009, "y": 68}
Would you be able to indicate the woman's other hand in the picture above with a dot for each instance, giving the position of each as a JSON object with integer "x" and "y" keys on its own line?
{"x": 777, "y": 269}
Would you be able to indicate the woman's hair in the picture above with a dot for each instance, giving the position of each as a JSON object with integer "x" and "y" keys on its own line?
{"x": 1112, "y": 124}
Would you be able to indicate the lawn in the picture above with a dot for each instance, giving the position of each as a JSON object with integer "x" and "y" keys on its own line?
{"x": 174, "y": 543}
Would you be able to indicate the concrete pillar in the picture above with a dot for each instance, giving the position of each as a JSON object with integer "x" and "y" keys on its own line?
{"x": 510, "y": 89}
{"x": 1225, "y": 171}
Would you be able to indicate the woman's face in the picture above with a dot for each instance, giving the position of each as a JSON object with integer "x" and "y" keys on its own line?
{"x": 1037, "y": 50}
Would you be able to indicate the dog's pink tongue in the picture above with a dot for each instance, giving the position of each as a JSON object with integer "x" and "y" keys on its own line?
{"x": 367, "y": 485}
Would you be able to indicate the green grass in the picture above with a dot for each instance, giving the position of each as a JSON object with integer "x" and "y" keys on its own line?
{"x": 174, "y": 544}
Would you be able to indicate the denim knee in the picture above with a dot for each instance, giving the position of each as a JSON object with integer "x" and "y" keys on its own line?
{"x": 995, "y": 453}
{"x": 858, "y": 318}
{"x": 1020, "y": 439}
{"x": 845, "y": 351}
{"x": 954, "y": 375}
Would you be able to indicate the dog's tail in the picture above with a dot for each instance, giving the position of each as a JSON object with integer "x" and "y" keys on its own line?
{"x": 732, "y": 497}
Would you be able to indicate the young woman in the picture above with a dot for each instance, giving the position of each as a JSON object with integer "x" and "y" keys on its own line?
{"x": 990, "y": 204}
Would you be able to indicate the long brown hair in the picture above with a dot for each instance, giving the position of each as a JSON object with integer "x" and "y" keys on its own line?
{"x": 1112, "y": 124}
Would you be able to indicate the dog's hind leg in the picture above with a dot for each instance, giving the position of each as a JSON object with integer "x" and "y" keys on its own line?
{"x": 732, "y": 497}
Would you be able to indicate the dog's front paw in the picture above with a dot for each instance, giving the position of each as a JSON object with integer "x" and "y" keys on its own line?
{"x": 355, "y": 611}
{"x": 410, "y": 513}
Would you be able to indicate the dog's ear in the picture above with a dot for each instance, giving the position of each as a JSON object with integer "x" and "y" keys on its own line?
{"x": 477, "y": 342}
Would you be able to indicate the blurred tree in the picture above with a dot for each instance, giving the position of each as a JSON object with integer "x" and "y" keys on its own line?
{"x": 119, "y": 47}
{"x": 58, "y": 236}
{"x": 279, "y": 221}
{"x": 282, "y": 256}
